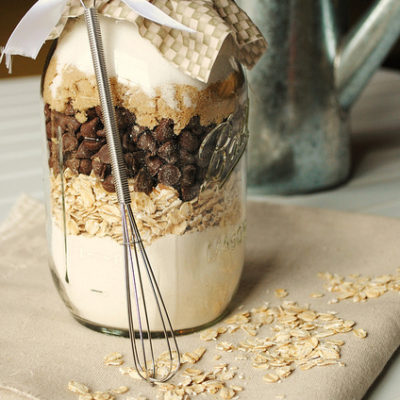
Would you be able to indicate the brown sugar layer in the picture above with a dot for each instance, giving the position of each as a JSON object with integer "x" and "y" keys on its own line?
{"x": 181, "y": 103}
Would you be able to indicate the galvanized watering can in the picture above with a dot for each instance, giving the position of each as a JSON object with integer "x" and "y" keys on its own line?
{"x": 303, "y": 88}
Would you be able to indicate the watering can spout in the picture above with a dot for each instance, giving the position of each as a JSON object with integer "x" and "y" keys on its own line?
{"x": 364, "y": 48}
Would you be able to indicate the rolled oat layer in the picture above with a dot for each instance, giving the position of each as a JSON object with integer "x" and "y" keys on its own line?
{"x": 92, "y": 211}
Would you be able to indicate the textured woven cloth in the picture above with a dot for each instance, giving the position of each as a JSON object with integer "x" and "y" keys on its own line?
{"x": 42, "y": 347}
{"x": 213, "y": 20}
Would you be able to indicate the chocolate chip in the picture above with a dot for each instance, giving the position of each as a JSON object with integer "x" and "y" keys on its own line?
{"x": 47, "y": 112}
{"x": 190, "y": 192}
{"x": 188, "y": 141}
{"x": 66, "y": 123}
{"x": 99, "y": 112}
{"x": 108, "y": 184}
{"x": 164, "y": 131}
{"x": 146, "y": 142}
{"x": 69, "y": 110}
{"x": 73, "y": 165}
{"x": 195, "y": 127}
{"x": 72, "y": 124}
{"x": 88, "y": 129}
{"x": 127, "y": 143}
{"x": 186, "y": 158}
{"x": 143, "y": 182}
{"x": 104, "y": 155}
{"x": 54, "y": 164}
{"x": 199, "y": 131}
{"x": 99, "y": 168}
{"x": 85, "y": 167}
{"x": 93, "y": 144}
{"x": 124, "y": 118}
{"x": 153, "y": 164}
{"x": 201, "y": 174}
{"x": 49, "y": 130}
{"x": 91, "y": 113}
{"x": 140, "y": 157}
{"x": 101, "y": 133}
{"x": 169, "y": 175}
{"x": 194, "y": 122}
{"x": 136, "y": 131}
{"x": 169, "y": 152}
{"x": 189, "y": 173}
{"x": 131, "y": 165}
{"x": 83, "y": 151}
{"x": 70, "y": 142}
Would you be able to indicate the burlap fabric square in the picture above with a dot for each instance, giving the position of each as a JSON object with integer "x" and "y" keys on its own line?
{"x": 42, "y": 347}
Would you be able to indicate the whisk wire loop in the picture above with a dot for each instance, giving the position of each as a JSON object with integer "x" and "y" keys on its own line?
{"x": 161, "y": 308}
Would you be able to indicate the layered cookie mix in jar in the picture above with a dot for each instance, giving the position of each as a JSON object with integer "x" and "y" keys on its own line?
{"x": 181, "y": 106}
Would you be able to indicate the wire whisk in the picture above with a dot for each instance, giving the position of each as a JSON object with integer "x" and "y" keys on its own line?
{"x": 139, "y": 276}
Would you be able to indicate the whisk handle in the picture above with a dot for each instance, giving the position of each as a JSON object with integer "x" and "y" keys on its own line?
{"x": 110, "y": 123}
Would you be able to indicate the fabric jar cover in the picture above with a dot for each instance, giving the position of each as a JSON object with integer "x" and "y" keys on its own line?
{"x": 194, "y": 54}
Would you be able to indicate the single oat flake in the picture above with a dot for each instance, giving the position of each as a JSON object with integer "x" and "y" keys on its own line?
{"x": 114, "y": 359}
{"x": 360, "y": 333}
{"x": 271, "y": 378}
{"x": 77, "y": 387}
{"x": 280, "y": 293}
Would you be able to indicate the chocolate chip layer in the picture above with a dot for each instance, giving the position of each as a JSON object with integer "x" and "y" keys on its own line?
{"x": 152, "y": 156}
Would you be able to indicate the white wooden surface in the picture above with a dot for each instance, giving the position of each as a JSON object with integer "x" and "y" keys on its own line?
{"x": 374, "y": 186}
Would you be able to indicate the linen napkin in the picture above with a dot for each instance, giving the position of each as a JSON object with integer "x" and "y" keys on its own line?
{"x": 42, "y": 348}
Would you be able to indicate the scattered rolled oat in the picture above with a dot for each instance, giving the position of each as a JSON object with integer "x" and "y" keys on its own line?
{"x": 102, "y": 396}
{"x": 120, "y": 390}
{"x": 194, "y": 356}
{"x": 137, "y": 398}
{"x": 227, "y": 393}
{"x": 77, "y": 387}
{"x": 280, "y": 293}
{"x": 86, "y": 396}
{"x": 316, "y": 295}
{"x": 208, "y": 335}
{"x": 360, "y": 288}
{"x": 114, "y": 359}
{"x": 225, "y": 346}
{"x": 360, "y": 333}
{"x": 302, "y": 338}
{"x": 271, "y": 378}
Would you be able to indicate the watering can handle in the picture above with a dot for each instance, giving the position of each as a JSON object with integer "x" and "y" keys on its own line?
{"x": 361, "y": 52}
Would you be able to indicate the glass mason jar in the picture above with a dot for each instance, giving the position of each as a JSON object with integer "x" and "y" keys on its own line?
{"x": 183, "y": 142}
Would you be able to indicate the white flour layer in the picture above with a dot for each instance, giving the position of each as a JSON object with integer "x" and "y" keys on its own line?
{"x": 197, "y": 274}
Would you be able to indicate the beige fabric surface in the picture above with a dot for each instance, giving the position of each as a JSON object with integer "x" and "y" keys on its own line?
{"x": 42, "y": 347}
